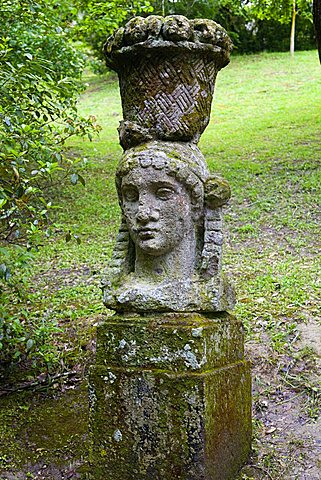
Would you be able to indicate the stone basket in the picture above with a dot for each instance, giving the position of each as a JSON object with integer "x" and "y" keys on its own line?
{"x": 167, "y": 69}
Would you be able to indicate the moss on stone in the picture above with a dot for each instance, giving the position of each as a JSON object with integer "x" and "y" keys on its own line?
{"x": 43, "y": 429}
{"x": 217, "y": 192}
{"x": 157, "y": 410}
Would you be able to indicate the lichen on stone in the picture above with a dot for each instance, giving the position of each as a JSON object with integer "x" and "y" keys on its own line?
{"x": 157, "y": 30}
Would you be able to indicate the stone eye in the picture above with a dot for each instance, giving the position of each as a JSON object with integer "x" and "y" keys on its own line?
{"x": 130, "y": 194}
{"x": 164, "y": 193}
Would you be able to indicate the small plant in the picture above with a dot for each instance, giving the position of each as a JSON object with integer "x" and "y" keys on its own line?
{"x": 313, "y": 401}
{"x": 22, "y": 334}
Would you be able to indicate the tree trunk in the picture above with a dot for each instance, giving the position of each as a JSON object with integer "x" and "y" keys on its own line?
{"x": 317, "y": 23}
{"x": 292, "y": 40}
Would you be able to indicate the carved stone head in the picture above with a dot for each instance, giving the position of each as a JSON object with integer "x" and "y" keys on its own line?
{"x": 168, "y": 251}
{"x": 171, "y": 232}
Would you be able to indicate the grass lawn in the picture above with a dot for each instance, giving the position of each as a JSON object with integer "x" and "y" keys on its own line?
{"x": 264, "y": 138}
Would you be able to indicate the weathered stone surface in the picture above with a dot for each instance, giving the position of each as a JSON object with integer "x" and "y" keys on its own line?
{"x": 168, "y": 253}
{"x": 167, "y": 69}
{"x": 172, "y": 341}
{"x": 172, "y": 400}
{"x": 170, "y": 392}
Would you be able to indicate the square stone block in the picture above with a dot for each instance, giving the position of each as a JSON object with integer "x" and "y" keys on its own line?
{"x": 173, "y": 341}
{"x": 151, "y": 421}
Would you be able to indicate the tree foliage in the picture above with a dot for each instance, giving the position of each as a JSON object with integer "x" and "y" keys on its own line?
{"x": 196, "y": 8}
{"x": 40, "y": 80}
{"x": 97, "y": 19}
{"x": 253, "y": 25}
{"x": 40, "y": 75}
{"x": 283, "y": 12}
{"x": 280, "y": 10}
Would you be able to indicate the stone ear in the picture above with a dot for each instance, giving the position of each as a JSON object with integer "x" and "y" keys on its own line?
{"x": 217, "y": 192}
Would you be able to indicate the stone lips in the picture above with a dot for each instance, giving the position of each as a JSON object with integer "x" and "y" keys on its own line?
{"x": 167, "y": 69}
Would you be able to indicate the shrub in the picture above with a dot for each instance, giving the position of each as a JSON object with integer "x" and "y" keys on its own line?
{"x": 40, "y": 80}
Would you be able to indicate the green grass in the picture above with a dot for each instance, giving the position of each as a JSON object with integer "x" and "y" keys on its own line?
{"x": 264, "y": 138}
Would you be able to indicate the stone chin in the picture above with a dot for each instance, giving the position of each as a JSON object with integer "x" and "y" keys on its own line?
{"x": 152, "y": 246}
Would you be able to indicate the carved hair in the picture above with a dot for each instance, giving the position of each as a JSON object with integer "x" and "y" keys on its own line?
{"x": 182, "y": 161}
{"x": 186, "y": 164}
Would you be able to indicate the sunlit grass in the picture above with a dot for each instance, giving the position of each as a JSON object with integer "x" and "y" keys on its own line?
{"x": 263, "y": 137}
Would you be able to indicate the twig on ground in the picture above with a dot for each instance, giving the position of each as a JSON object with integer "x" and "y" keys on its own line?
{"x": 262, "y": 470}
{"x": 47, "y": 380}
{"x": 289, "y": 399}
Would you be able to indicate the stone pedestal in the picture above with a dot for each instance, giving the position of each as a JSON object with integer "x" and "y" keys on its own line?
{"x": 170, "y": 398}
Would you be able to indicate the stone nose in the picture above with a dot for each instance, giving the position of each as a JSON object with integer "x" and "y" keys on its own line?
{"x": 146, "y": 213}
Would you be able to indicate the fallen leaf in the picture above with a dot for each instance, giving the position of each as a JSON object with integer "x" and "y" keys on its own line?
{"x": 270, "y": 430}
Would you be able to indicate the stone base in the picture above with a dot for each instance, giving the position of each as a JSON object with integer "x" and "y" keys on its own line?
{"x": 170, "y": 398}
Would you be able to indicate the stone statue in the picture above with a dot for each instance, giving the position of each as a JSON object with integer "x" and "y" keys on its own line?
{"x": 170, "y": 390}
{"x": 168, "y": 253}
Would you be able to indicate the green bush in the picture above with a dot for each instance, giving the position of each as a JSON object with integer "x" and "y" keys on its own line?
{"x": 23, "y": 335}
{"x": 98, "y": 19}
{"x": 40, "y": 81}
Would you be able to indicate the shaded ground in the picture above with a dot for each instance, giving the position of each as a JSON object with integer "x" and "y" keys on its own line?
{"x": 44, "y": 435}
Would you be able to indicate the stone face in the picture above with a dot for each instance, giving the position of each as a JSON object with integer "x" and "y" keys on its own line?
{"x": 170, "y": 398}
{"x": 171, "y": 236}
